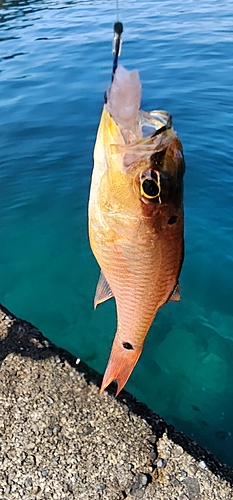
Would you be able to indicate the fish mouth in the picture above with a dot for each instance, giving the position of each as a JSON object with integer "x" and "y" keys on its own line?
{"x": 154, "y": 122}
{"x": 156, "y": 133}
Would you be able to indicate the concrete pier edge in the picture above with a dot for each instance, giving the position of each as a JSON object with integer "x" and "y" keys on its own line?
{"x": 60, "y": 440}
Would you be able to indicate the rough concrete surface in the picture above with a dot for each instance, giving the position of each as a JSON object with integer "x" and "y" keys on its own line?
{"x": 60, "y": 440}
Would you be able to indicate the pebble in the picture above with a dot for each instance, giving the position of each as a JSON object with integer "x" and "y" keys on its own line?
{"x": 161, "y": 463}
{"x": 181, "y": 475}
{"x": 101, "y": 487}
{"x": 152, "y": 439}
{"x": 138, "y": 487}
{"x": 193, "y": 488}
{"x": 142, "y": 478}
{"x": 178, "y": 451}
{"x": 192, "y": 469}
{"x": 28, "y": 483}
{"x": 202, "y": 465}
{"x": 36, "y": 490}
{"x": 137, "y": 493}
{"x": 49, "y": 400}
{"x": 152, "y": 455}
{"x": 56, "y": 429}
{"x": 45, "y": 473}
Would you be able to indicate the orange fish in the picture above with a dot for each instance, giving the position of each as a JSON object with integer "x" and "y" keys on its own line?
{"x": 135, "y": 217}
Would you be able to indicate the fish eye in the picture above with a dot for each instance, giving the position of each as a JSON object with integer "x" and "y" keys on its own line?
{"x": 150, "y": 184}
{"x": 149, "y": 188}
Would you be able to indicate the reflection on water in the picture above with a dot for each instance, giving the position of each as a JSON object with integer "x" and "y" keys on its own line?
{"x": 55, "y": 66}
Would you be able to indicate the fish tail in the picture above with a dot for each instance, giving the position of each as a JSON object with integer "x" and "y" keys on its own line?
{"x": 122, "y": 360}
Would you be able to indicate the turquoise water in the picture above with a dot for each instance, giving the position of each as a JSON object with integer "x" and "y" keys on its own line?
{"x": 55, "y": 66}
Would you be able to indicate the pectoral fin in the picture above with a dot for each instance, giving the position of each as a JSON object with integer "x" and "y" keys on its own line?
{"x": 175, "y": 296}
{"x": 103, "y": 291}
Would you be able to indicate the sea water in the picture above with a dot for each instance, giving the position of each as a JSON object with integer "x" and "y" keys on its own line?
{"x": 55, "y": 64}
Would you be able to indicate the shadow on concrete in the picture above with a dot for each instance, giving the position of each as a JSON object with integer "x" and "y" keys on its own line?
{"x": 24, "y": 339}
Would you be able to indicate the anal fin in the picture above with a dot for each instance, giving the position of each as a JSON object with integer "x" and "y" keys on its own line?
{"x": 103, "y": 291}
{"x": 175, "y": 296}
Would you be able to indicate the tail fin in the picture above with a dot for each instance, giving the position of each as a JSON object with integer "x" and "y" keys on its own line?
{"x": 122, "y": 361}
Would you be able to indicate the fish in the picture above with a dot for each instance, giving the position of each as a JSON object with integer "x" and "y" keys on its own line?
{"x": 135, "y": 217}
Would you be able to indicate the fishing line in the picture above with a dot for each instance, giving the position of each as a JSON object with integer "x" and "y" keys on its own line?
{"x": 117, "y": 10}
{"x": 117, "y": 40}
{"x": 116, "y": 45}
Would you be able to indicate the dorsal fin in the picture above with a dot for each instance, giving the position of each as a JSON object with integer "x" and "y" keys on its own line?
{"x": 103, "y": 291}
{"x": 175, "y": 296}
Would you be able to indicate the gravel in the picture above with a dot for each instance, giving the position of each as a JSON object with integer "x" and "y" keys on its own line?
{"x": 60, "y": 440}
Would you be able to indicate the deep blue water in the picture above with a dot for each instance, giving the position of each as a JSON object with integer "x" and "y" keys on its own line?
{"x": 55, "y": 64}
